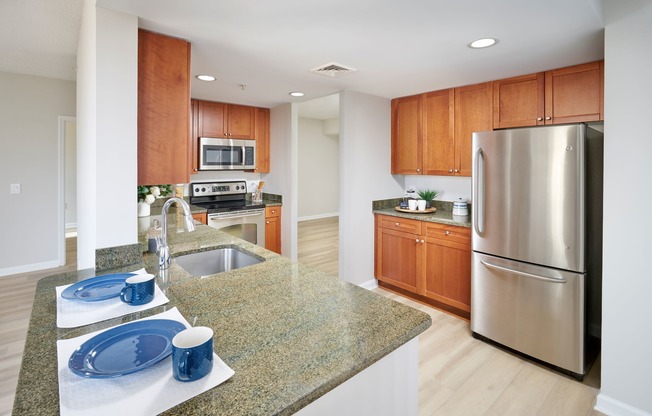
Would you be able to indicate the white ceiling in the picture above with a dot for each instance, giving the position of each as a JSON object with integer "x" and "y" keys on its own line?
{"x": 398, "y": 48}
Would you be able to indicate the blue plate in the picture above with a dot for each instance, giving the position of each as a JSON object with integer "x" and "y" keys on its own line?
{"x": 125, "y": 349}
{"x": 97, "y": 288}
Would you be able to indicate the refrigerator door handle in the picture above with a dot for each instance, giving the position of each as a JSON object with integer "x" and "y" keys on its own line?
{"x": 478, "y": 197}
{"x": 533, "y": 276}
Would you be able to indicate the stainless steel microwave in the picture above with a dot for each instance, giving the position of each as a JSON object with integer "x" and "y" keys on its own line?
{"x": 226, "y": 154}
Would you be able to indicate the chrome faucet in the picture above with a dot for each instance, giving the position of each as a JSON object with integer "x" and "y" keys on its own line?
{"x": 163, "y": 249}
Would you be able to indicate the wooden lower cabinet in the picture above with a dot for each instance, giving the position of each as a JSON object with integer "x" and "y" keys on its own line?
{"x": 273, "y": 229}
{"x": 201, "y": 217}
{"x": 428, "y": 261}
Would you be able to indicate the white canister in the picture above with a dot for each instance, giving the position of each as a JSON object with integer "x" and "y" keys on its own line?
{"x": 421, "y": 205}
{"x": 412, "y": 204}
{"x": 460, "y": 207}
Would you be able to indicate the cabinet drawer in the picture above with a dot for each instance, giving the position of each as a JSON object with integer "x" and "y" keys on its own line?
{"x": 449, "y": 232}
{"x": 401, "y": 224}
{"x": 271, "y": 212}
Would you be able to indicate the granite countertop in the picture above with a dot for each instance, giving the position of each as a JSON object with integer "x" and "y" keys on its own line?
{"x": 291, "y": 333}
{"x": 443, "y": 215}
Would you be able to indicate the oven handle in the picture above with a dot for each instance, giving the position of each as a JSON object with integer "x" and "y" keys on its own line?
{"x": 229, "y": 217}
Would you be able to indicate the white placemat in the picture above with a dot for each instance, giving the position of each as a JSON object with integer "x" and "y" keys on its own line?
{"x": 147, "y": 392}
{"x": 71, "y": 314}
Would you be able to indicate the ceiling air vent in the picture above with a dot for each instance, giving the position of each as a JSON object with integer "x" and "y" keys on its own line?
{"x": 332, "y": 70}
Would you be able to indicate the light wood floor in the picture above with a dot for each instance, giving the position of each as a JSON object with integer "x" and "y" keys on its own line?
{"x": 459, "y": 375}
{"x": 16, "y": 299}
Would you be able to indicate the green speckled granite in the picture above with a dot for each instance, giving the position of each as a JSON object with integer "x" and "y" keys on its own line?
{"x": 108, "y": 258}
{"x": 271, "y": 200}
{"x": 291, "y": 333}
{"x": 443, "y": 215}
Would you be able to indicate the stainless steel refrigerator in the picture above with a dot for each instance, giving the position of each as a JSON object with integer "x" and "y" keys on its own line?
{"x": 537, "y": 242}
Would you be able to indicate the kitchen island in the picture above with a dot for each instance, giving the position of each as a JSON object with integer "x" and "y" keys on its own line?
{"x": 294, "y": 336}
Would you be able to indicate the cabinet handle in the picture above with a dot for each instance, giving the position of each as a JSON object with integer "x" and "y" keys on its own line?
{"x": 447, "y": 232}
{"x": 450, "y": 170}
{"x": 422, "y": 241}
{"x": 397, "y": 224}
{"x": 417, "y": 241}
{"x": 273, "y": 211}
{"x": 548, "y": 118}
{"x": 539, "y": 118}
{"x": 457, "y": 171}
{"x": 418, "y": 170}
{"x": 266, "y": 222}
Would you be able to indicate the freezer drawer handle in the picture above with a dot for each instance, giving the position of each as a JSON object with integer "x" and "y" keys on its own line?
{"x": 534, "y": 276}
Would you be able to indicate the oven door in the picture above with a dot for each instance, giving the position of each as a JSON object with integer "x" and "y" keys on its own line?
{"x": 248, "y": 225}
{"x": 221, "y": 154}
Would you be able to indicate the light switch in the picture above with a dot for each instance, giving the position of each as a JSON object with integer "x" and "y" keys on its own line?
{"x": 14, "y": 188}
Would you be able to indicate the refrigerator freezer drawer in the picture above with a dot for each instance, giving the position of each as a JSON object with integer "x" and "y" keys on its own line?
{"x": 535, "y": 310}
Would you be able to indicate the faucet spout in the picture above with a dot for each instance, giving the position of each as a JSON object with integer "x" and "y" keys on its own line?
{"x": 164, "y": 258}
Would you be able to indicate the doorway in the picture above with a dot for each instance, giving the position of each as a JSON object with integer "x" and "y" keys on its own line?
{"x": 318, "y": 184}
{"x": 68, "y": 186}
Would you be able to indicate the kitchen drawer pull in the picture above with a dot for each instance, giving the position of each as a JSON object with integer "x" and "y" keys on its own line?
{"x": 548, "y": 118}
{"x": 524, "y": 274}
{"x": 539, "y": 118}
{"x": 398, "y": 223}
{"x": 447, "y": 232}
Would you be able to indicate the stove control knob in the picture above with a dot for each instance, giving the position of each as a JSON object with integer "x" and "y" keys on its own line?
{"x": 203, "y": 189}
{"x": 196, "y": 189}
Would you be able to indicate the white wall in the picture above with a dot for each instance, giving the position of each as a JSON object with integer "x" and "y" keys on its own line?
{"x": 449, "y": 187}
{"x": 627, "y": 276}
{"x": 29, "y": 133}
{"x": 282, "y": 179}
{"x": 365, "y": 149}
{"x": 70, "y": 173}
{"x": 318, "y": 175}
{"x": 107, "y": 61}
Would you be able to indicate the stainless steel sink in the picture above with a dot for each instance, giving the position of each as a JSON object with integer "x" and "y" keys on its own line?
{"x": 215, "y": 261}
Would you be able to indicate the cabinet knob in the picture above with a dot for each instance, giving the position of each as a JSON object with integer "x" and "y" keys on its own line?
{"x": 457, "y": 171}
{"x": 421, "y": 241}
{"x": 273, "y": 211}
{"x": 450, "y": 170}
{"x": 266, "y": 222}
{"x": 539, "y": 118}
{"x": 417, "y": 241}
{"x": 548, "y": 118}
{"x": 447, "y": 232}
{"x": 418, "y": 170}
{"x": 398, "y": 223}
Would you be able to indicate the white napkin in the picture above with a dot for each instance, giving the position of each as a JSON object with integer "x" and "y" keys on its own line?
{"x": 146, "y": 392}
{"x": 71, "y": 313}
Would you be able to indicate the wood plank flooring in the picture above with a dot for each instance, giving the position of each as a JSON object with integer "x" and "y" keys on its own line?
{"x": 458, "y": 375}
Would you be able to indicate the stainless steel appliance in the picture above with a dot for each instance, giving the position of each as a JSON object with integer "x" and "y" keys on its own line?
{"x": 226, "y": 154}
{"x": 229, "y": 211}
{"x": 537, "y": 242}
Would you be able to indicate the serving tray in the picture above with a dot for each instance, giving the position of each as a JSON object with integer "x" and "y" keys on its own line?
{"x": 409, "y": 211}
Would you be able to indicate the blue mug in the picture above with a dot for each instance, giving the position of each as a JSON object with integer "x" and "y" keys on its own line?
{"x": 138, "y": 290}
{"x": 192, "y": 353}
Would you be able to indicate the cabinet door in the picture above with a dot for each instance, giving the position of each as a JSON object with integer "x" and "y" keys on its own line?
{"x": 519, "y": 101}
{"x": 163, "y": 109}
{"x": 575, "y": 94}
{"x": 262, "y": 140}
{"x": 201, "y": 217}
{"x": 193, "y": 144}
{"x": 212, "y": 119}
{"x": 273, "y": 229}
{"x": 447, "y": 272}
{"x": 473, "y": 112}
{"x": 398, "y": 259}
{"x": 241, "y": 122}
{"x": 406, "y": 135}
{"x": 439, "y": 133}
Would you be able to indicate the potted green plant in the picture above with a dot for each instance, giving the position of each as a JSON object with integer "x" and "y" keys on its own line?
{"x": 427, "y": 195}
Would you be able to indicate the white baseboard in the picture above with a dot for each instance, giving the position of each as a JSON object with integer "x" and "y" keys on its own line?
{"x": 29, "y": 268}
{"x": 369, "y": 284}
{"x": 610, "y": 406}
{"x": 318, "y": 217}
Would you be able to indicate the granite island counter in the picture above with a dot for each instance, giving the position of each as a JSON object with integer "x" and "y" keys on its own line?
{"x": 298, "y": 339}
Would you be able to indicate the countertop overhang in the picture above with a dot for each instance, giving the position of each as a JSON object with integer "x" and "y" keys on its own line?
{"x": 291, "y": 333}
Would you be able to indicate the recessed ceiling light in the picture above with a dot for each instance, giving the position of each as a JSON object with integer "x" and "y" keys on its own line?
{"x": 297, "y": 94}
{"x": 482, "y": 43}
{"x": 205, "y": 77}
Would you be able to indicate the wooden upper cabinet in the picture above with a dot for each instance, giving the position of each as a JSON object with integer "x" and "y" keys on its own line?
{"x": 575, "y": 94}
{"x": 406, "y": 135}
{"x": 519, "y": 101}
{"x": 226, "y": 120}
{"x": 473, "y": 112}
{"x": 241, "y": 122}
{"x": 262, "y": 140}
{"x": 567, "y": 95}
{"x": 438, "y": 132}
{"x": 163, "y": 109}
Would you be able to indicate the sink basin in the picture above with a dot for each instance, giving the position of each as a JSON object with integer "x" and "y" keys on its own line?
{"x": 215, "y": 261}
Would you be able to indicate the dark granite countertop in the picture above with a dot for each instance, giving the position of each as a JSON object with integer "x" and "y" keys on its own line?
{"x": 443, "y": 215}
{"x": 291, "y": 333}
